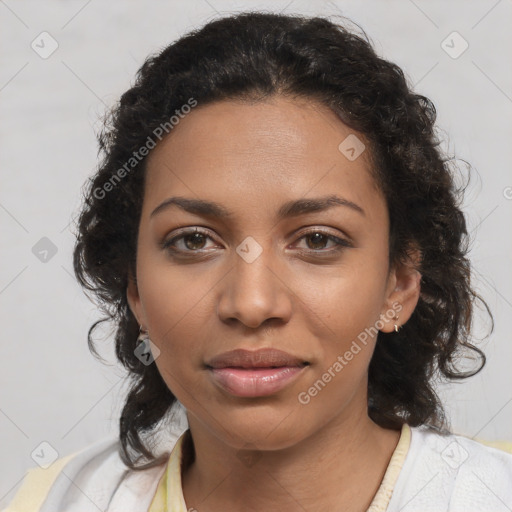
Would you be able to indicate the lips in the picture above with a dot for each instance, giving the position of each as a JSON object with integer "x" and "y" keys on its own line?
{"x": 245, "y": 373}
{"x": 263, "y": 358}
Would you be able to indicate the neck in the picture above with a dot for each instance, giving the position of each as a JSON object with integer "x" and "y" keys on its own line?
{"x": 344, "y": 463}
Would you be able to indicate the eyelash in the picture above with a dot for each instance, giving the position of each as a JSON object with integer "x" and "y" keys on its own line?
{"x": 341, "y": 244}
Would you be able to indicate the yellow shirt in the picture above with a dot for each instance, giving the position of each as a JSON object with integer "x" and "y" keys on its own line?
{"x": 169, "y": 494}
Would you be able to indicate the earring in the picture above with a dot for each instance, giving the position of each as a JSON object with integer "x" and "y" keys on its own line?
{"x": 397, "y": 327}
{"x": 143, "y": 335}
{"x": 145, "y": 351}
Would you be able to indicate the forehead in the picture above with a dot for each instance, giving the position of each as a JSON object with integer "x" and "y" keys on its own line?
{"x": 260, "y": 153}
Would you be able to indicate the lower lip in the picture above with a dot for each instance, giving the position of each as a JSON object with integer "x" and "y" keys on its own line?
{"x": 253, "y": 382}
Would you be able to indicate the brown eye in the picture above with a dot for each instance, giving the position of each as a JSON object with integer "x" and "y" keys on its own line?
{"x": 194, "y": 241}
{"x": 317, "y": 240}
{"x": 188, "y": 242}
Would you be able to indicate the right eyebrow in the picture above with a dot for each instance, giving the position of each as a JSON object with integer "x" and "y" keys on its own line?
{"x": 195, "y": 206}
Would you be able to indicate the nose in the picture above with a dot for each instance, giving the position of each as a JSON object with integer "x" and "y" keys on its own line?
{"x": 255, "y": 293}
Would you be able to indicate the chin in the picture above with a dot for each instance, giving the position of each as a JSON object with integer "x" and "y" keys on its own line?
{"x": 265, "y": 427}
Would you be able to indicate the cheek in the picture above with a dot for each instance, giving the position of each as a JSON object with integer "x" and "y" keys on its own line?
{"x": 347, "y": 298}
{"x": 171, "y": 300}
{"x": 347, "y": 308}
{"x": 178, "y": 303}
{"x": 176, "y": 317}
{"x": 171, "y": 293}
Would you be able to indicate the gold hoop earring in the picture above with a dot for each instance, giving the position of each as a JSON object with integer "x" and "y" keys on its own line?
{"x": 143, "y": 335}
{"x": 397, "y": 327}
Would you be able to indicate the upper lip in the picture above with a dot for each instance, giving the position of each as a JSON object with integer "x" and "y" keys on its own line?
{"x": 262, "y": 358}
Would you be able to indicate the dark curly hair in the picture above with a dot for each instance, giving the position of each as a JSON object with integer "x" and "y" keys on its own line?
{"x": 250, "y": 56}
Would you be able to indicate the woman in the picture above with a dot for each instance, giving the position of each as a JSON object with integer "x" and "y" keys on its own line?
{"x": 277, "y": 237}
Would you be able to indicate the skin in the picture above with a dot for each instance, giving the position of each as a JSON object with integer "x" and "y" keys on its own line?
{"x": 270, "y": 453}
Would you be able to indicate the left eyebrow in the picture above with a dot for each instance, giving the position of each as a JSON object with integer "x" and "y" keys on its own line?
{"x": 287, "y": 210}
{"x": 304, "y": 206}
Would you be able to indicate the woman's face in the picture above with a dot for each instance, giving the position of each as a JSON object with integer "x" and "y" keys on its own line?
{"x": 275, "y": 265}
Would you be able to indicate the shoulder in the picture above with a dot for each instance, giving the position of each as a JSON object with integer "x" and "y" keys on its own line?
{"x": 94, "y": 478}
{"x": 454, "y": 472}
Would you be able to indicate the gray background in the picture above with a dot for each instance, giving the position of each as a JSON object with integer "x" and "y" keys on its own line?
{"x": 51, "y": 388}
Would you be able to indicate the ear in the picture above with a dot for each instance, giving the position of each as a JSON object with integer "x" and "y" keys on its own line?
{"x": 403, "y": 292}
{"x": 132, "y": 295}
